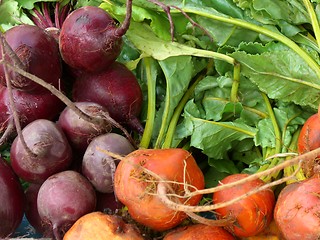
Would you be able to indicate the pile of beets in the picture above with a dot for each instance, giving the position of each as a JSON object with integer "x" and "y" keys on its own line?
{"x": 64, "y": 99}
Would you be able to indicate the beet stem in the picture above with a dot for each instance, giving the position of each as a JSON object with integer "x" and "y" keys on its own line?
{"x": 46, "y": 13}
{"x": 120, "y": 31}
{"x": 12, "y": 104}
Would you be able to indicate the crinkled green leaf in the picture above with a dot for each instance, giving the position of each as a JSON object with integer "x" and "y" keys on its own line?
{"x": 214, "y": 138}
{"x": 282, "y": 74}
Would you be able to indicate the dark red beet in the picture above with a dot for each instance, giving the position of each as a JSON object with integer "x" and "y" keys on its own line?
{"x": 31, "y": 211}
{"x": 115, "y": 88}
{"x": 63, "y": 198}
{"x": 78, "y": 131}
{"x": 297, "y": 210}
{"x": 50, "y": 146}
{"x": 12, "y": 200}
{"x": 90, "y": 40}
{"x": 38, "y": 51}
{"x": 108, "y": 203}
{"x": 29, "y": 107}
{"x": 98, "y": 166}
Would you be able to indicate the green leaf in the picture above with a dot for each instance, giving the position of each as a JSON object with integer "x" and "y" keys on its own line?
{"x": 214, "y": 138}
{"x": 282, "y": 74}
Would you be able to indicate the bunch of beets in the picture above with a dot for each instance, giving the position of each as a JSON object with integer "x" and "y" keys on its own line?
{"x": 57, "y": 142}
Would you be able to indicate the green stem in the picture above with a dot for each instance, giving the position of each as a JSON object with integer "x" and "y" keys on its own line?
{"x": 174, "y": 120}
{"x": 314, "y": 20}
{"x": 260, "y": 29}
{"x": 235, "y": 83}
{"x": 151, "y": 111}
{"x": 277, "y": 133}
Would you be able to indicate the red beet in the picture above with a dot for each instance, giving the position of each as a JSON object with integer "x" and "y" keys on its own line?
{"x": 78, "y": 131}
{"x": 297, "y": 210}
{"x": 63, "y": 198}
{"x": 29, "y": 107}
{"x": 98, "y": 166}
{"x": 31, "y": 211}
{"x": 90, "y": 40}
{"x": 39, "y": 54}
{"x": 108, "y": 203}
{"x": 12, "y": 200}
{"x": 50, "y": 147}
{"x": 115, "y": 88}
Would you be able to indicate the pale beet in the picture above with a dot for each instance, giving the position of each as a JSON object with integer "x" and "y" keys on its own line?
{"x": 62, "y": 199}
{"x": 98, "y": 166}
{"x": 51, "y": 152}
{"x": 297, "y": 210}
{"x": 12, "y": 200}
{"x": 117, "y": 89}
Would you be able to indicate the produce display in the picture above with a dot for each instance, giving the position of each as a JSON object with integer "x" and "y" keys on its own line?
{"x": 159, "y": 119}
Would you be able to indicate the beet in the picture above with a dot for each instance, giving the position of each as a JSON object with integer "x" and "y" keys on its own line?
{"x": 90, "y": 39}
{"x": 51, "y": 151}
{"x": 107, "y": 202}
{"x": 39, "y": 55}
{"x": 297, "y": 210}
{"x": 12, "y": 200}
{"x": 29, "y": 107}
{"x": 97, "y": 166}
{"x": 63, "y": 198}
{"x": 78, "y": 131}
{"x": 115, "y": 88}
{"x": 31, "y": 211}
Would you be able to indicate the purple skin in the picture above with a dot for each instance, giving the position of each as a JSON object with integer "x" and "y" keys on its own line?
{"x": 63, "y": 198}
{"x": 29, "y": 108}
{"x": 97, "y": 166}
{"x": 12, "y": 200}
{"x": 90, "y": 40}
{"x": 78, "y": 131}
{"x": 50, "y": 146}
{"x": 117, "y": 89}
{"x": 38, "y": 53}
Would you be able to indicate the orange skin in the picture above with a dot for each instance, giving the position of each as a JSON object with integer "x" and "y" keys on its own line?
{"x": 199, "y": 232}
{"x": 309, "y": 139}
{"x": 101, "y": 226}
{"x": 297, "y": 210}
{"x": 137, "y": 190}
{"x": 252, "y": 214}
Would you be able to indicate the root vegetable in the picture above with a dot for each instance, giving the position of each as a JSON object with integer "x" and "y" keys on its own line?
{"x": 252, "y": 214}
{"x": 297, "y": 210}
{"x": 50, "y": 151}
{"x": 79, "y": 131}
{"x": 137, "y": 177}
{"x": 199, "y": 232}
{"x": 90, "y": 40}
{"x": 37, "y": 53}
{"x": 117, "y": 89}
{"x": 12, "y": 200}
{"x": 99, "y": 167}
{"x": 97, "y": 225}
{"x": 62, "y": 199}
{"x": 309, "y": 139}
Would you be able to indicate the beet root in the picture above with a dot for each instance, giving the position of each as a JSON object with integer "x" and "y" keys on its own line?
{"x": 63, "y": 198}
{"x": 79, "y": 131}
{"x": 90, "y": 40}
{"x": 12, "y": 200}
{"x": 297, "y": 210}
{"x": 99, "y": 167}
{"x": 38, "y": 54}
{"x": 115, "y": 88}
{"x": 51, "y": 152}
